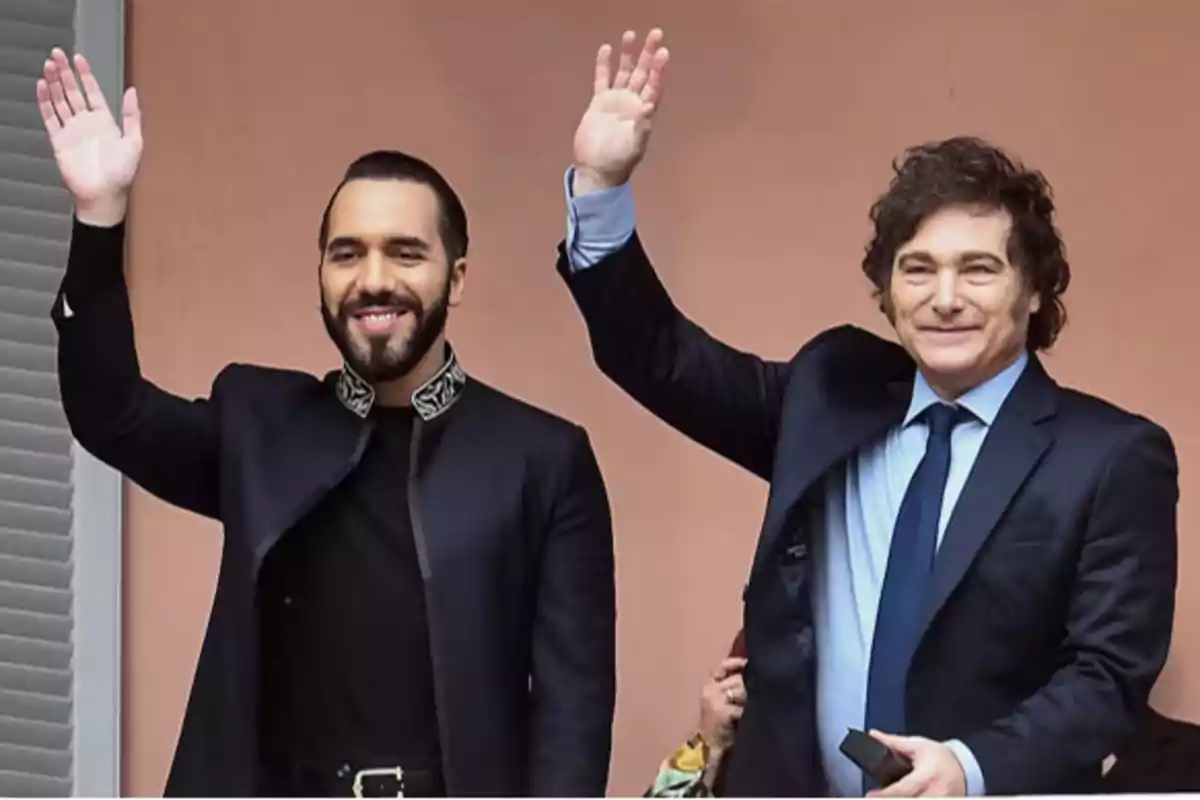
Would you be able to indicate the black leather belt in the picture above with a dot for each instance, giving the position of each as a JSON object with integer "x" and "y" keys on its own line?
{"x": 354, "y": 779}
{"x": 394, "y": 782}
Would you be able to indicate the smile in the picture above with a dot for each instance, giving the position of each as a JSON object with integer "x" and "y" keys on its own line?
{"x": 379, "y": 321}
{"x": 948, "y": 335}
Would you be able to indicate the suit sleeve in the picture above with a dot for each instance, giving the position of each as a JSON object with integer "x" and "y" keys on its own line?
{"x": 1118, "y": 630}
{"x": 573, "y": 678}
{"x": 164, "y": 443}
{"x": 724, "y": 399}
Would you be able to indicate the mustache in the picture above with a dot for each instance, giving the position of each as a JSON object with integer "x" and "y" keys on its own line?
{"x": 380, "y": 300}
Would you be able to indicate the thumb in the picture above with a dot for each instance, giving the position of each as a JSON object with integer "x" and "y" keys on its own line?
{"x": 132, "y": 112}
{"x": 644, "y": 117}
{"x": 905, "y": 745}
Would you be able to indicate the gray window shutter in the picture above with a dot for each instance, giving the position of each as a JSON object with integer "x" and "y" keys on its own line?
{"x": 36, "y": 641}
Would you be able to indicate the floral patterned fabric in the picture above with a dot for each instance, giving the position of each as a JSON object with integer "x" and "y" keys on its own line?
{"x": 682, "y": 774}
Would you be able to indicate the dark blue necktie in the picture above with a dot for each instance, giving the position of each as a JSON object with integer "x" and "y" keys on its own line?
{"x": 909, "y": 565}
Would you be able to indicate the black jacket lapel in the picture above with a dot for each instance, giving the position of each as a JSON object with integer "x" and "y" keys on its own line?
{"x": 818, "y": 441}
{"x": 1011, "y": 450}
{"x": 324, "y": 442}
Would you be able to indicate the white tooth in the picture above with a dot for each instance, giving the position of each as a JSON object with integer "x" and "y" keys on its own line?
{"x": 379, "y": 318}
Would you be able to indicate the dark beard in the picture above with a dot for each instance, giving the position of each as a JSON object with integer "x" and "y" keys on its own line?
{"x": 381, "y": 365}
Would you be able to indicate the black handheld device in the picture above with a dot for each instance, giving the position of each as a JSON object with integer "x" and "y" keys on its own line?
{"x": 884, "y": 765}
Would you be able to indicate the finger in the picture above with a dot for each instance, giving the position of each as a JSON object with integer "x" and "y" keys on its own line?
{"x": 907, "y": 745}
{"x": 70, "y": 85}
{"x": 93, "y": 95}
{"x": 643, "y": 119}
{"x": 728, "y": 667}
{"x": 914, "y": 784}
{"x": 131, "y": 111}
{"x": 600, "y": 81}
{"x": 734, "y": 690}
{"x": 49, "y": 116}
{"x": 652, "y": 92}
{"x": 642, "y": 71}
{"x": 57, "y": 99}
{"x": 625, "y": 64}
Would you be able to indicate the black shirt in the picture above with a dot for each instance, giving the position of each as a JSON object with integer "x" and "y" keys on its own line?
{"x": 346, "y": 669}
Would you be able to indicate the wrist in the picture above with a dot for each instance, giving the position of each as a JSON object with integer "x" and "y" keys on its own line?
{"x": 586, "y": 180}
{"x": 712, "y": 766}
{"x": 103, "y": 212}
{"x": 968, "y": 774}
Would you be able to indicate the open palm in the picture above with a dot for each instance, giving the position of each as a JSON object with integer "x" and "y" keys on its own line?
{"x": 96, "y": 158}
{"x": 612, "y": 136}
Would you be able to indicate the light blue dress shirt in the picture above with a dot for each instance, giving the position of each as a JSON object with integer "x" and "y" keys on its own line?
{"x": 857, "y": 517}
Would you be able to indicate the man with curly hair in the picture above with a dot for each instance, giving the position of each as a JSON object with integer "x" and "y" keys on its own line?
{"x": 957, "y": 554}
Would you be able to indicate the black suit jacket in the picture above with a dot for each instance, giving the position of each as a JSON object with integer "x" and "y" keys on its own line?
{"x": 1050, "y": 613}
{"x": 509, "y": 513}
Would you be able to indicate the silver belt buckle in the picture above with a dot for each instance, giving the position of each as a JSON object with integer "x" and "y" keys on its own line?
{"x": 379, "y": 772}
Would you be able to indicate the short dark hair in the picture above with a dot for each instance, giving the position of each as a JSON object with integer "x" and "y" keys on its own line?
{"x": 394, "y": 165}
{"x": 969, "y": 171}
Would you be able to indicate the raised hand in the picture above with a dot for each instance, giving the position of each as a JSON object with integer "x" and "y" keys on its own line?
{"x": 96, "y": 159}
{"x": 612, "y": 136}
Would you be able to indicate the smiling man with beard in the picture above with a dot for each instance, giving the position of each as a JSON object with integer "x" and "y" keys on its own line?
{"x": 386, "y": 290}
{"x": 416, "y": 586}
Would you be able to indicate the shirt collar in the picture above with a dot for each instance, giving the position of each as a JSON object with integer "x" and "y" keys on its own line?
{"x": 984, "y": 400}
{"x": 431, "y": 399}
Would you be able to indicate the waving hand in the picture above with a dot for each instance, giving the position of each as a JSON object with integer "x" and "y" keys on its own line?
{"x": 615, "y": 130}
{"x": 96, "y": 158}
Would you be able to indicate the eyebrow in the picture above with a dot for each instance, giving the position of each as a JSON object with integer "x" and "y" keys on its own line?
{"x": 980, "y": 255}
{"x": 408, "y": 242}
{"x": 962, "y": 258}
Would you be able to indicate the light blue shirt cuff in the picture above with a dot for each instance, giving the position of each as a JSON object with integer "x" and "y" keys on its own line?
{"x": 975, "y": 784}
{"x": 598, "y": 224}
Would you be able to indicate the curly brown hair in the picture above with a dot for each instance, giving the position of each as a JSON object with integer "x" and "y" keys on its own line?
{"x": 965, "y": 170}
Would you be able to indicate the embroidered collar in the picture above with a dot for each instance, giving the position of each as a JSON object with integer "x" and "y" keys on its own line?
{"x": 430, "y": 400}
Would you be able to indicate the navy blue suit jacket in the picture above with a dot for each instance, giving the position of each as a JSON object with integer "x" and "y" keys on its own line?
{"x": 1050, "y": 612}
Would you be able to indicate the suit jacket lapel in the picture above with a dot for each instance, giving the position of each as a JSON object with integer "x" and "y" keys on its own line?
{"x": 818, "y": 441}
{"x": 297, "y": 470}
{"x": 1013, "y": 447}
